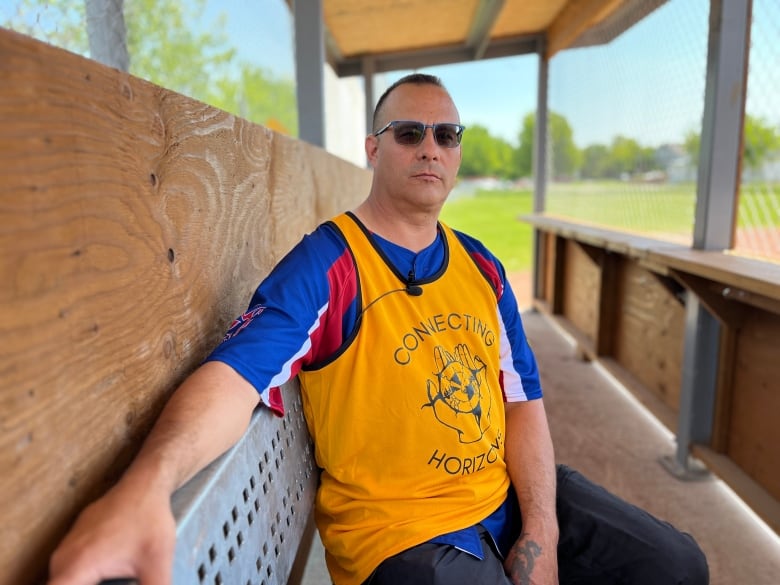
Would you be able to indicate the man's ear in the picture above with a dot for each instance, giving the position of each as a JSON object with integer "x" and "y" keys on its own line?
{"x": 372, "y": 148}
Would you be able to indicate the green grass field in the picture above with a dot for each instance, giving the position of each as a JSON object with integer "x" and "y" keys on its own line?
{"x": 662, "y": 211}
{"x": 492, "y": 217}
{"x": 642, "y": 208}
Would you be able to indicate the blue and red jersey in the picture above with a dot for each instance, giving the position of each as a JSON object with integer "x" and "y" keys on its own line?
{"x": 304, "y": 312}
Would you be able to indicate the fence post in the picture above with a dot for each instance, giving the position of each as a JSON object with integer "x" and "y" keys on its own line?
{"x": 540, "y": 163}
{"x": 309, "y": 70}
{"x": 716, "y": 204}
{"x": 107, "y": 33}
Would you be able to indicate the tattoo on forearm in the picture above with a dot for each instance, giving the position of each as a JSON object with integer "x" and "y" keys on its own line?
{"x": 521, "y": 560}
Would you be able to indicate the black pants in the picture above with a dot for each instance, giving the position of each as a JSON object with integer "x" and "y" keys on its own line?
{"x": 603, "y": 541}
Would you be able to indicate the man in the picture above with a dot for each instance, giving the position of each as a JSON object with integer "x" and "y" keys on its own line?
{"x": 420, "y": 392}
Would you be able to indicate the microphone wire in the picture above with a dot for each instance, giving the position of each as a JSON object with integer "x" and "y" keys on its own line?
{"x": 410, "y": 289}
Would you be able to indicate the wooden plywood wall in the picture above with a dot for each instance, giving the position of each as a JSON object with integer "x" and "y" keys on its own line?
{"x": 636, "y": 328}
{"x": 581, "y": 289}
{"x": 551, "y": 262}
{"x": 649, "y": 332}
{"x": 753, "y": 432}
{"x": 134, "y": 225}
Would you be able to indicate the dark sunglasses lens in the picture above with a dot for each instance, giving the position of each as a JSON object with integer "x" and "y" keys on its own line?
{"x": 447, "y": 135}
{"x": 408, "y": 133}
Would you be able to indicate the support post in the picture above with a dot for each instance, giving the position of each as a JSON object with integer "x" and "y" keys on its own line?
{"x": 540, "y": 164}
{"x": 309, "y": 70}
{"x": 107, "y": 33}
{"x": 716, "y": 204}
{"x": 368, "y": 90}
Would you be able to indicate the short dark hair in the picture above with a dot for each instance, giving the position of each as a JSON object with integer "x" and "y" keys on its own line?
{"x": 412, "y": 78}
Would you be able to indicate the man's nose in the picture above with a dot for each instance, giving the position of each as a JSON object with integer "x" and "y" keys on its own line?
{"x": 428, "y": 148}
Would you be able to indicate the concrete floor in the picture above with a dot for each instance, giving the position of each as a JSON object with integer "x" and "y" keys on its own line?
{"x": 599, "y": 429}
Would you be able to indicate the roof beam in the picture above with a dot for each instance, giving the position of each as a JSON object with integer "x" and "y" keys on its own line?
{"x": 417, "y": 59}
{"x": 575, "y": 19}
{"x": 332, "y": 52}
{"x": 485, "y": 17}
{"x": 622, "y": 19}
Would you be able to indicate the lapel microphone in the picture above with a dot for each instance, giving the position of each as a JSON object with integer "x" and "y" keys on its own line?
{"x": 412, "y": 290}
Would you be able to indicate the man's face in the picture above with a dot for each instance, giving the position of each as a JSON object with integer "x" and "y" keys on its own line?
{"x": 421, "y": 175}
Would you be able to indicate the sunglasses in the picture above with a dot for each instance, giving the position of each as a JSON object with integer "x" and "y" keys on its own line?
{"x": 410, "y": 133}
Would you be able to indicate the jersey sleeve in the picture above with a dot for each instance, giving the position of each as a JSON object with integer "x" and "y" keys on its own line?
{"x": 296, "y": 316}
{"x": 519, "y": 372}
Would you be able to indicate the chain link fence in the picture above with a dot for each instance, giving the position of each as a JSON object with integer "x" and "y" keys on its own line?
{"x": 633, "y": 106}
{"x": 758, "y": 227}
{"x": 633, "y": 110}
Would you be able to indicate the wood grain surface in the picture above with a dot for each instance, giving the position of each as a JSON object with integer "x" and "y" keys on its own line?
{"x": 582, "y": 286}
{"x": 754, "y": 433}
{"x": 134, "y": 225}
{"x": 642, "y": 343}
{"x": 649, "y": 332}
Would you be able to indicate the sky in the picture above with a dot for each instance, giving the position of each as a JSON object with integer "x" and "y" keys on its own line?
{"x": 647, "y": 84}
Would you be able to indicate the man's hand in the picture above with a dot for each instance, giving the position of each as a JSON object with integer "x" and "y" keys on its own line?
{"x": 130, "y": 532}
{"x": 530, "y": 563}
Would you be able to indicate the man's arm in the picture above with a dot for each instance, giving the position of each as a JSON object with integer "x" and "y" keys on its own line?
{"x": 531, "y": 464}
{"x": 130, "y": 531}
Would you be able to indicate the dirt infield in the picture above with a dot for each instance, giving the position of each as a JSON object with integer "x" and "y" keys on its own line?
{"x": 760, "y": 243}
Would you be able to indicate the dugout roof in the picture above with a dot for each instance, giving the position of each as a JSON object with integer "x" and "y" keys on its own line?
{"x": 410, "y": 34}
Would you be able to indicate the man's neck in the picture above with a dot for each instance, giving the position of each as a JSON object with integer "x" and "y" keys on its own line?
{"x": 414, "y": 231}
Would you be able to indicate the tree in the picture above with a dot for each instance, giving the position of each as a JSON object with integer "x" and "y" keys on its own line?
{"x": 485, "y": 155}
{"x": 565, "y": 155}
{"x": 257, "y": 96}
{"x": 595, "y": 162}
{"x": 506, "y": 157}
{"x": 761, "y": 139}
{"x": 692, "y": 144}
{"x": 165, "y": 50}
{"x": 524, "y": 155}
{"x": 627, "y": 157}
{"x": 59, "y": 22}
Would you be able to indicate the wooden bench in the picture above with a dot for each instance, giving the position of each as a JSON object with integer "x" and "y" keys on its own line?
{"x": 623, "y": 298}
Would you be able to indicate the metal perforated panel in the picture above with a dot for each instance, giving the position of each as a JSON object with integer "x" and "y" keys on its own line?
{"x": 240, "y": 520}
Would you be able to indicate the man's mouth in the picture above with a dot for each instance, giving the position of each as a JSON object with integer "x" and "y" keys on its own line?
{"x": 426, "y": 175}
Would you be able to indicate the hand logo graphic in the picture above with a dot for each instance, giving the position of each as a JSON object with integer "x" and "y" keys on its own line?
{"x": 459, "y": 395}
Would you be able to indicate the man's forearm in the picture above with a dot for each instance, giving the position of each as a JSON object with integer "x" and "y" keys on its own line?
{"x": 531, "y": 464}
{"x": 206, "y": 415}
{"x": 130, "y": 531}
